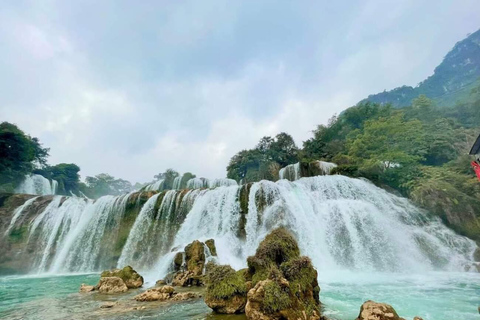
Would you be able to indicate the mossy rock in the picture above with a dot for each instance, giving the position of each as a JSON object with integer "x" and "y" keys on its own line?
{"x": 210, "y": 243}
{"x": 226, "y": 289}
{"x": 195, "y": 257}
{"x": 278, "y": 247}
{"x": 276, "y": 298}
{"x": 131, "y": 278}
{"x": 285, "y": 284}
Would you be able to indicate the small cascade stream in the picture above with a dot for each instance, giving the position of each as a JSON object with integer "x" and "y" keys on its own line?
{"x": 341, "y": 223}
{"x": 37, "y": 184}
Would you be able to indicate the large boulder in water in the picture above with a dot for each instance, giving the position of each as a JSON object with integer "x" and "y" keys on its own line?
{"x": 285, "y": 284}
{"x": 226, "y": 290}
{"x": 111, "y": 285}
{"x": 371, "y": 310}
{"x": 131, "y": 278}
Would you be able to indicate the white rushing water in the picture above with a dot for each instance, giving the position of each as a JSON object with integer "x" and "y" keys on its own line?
{"x": 37, "y": 184}
{"x": 341, "y": 223}
{"x": 155, "y": 186}
{"x": 293, "y": 172}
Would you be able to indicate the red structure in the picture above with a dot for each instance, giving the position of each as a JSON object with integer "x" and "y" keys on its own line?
{"x": 476, "y": 167}
{"x": 476, "y": 152}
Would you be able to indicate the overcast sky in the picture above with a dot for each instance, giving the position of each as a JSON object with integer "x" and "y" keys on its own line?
{"x": 134, "y": 87}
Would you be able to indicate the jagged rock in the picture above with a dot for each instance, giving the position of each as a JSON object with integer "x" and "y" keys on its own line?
{"x": 371, "y": 310}
{"x": 178, "y": 261}
{"x": 156, "y": 294}
{"x": 417, "y": 318}
{"x": 86, "y": 288}
{"x": 195, "y": 257}
{"x": 131, "y": 278}
{"x": 211, "y": 246}
{"x": 160, "y": 283}
{"x": 110, "y": 285}
{"x": 189, "y": 271}
{"x": 226, "y": 290}
{"x": 165, "y": 293}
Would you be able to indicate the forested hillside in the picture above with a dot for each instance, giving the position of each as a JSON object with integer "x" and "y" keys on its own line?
{"x": 420, "y": 151}
{"x": 450, "y": 83}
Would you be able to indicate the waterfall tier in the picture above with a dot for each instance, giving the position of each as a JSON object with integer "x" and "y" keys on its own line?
{"x": 341, "y": 223}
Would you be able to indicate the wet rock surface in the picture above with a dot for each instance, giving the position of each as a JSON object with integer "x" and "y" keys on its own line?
{"x": 111, "y": 285}
{"x": 371, "y": 310}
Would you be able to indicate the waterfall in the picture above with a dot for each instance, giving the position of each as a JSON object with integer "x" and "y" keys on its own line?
{"x": 37, "y": 184}
{"x": 156, "y": 186}
{"x": 290, "y": 172}
{"x": 197, "y": 183}
{"x": 18, "y": 211}
{"x": 325, "y": 167}
{"x": 155, "y": 227}
{"x": 340, "y": 222}
{"x": 215, "y": 183}
{"x": 177, "y": 183}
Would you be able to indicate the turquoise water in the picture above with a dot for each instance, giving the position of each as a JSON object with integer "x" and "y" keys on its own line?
{"x": 433, "y": 296}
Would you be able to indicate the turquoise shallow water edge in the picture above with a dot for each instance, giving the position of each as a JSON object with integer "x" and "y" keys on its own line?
{"x": 433, "y": 296}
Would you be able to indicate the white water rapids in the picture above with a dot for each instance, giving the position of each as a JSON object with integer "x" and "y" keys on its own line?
{"x": 341, "y": 223}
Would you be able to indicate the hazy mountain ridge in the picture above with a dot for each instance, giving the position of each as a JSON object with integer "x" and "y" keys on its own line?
{"x": 452, "y": 80}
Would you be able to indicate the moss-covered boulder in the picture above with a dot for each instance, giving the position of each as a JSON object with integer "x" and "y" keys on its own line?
{"x": 226, "y": 290}
{"x": 278, "y": 247}
{"x": 371, "y": 310}
{"x": 131, "y": 278}
{"x": 195, "y": 257}
{"x": 210, "y": 243}
{"x": 285, "y": 283}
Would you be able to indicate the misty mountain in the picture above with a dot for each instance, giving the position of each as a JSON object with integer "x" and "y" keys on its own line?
{"x": 451, "y": 81}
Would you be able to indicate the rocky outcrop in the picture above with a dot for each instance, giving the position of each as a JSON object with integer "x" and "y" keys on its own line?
{"x": 226, "y": 290}
{"x": 189, "y": 265}
{"x": 111, "y": 285}
{"x": 165, "y": 293}
{"x": 285, "y": 284}
{"x": 131, "y": 278}
{"x": 372, "y": 310}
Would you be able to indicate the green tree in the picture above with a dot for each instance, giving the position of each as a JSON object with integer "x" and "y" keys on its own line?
{"x": 20, "y": 154}
{"x": 66, "y": 174}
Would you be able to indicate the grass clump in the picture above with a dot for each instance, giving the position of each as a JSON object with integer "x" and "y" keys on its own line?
{"x": 224, "y": 282}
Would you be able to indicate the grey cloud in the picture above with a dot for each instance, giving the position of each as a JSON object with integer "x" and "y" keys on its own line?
{"x": 132, "y": 88}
